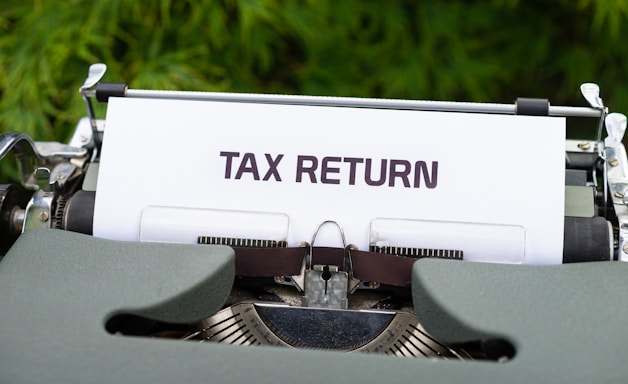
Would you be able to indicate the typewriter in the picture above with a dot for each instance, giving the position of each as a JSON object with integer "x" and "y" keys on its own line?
{"x": 95, "y": 289}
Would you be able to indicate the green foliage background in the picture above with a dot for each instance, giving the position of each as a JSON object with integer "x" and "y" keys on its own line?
{"x": 492, "y": 51}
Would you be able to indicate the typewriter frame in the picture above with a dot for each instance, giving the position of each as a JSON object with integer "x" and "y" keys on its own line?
{"x": 60, "y": 167}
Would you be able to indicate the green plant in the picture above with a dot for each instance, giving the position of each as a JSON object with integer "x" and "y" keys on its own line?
{"x": 450, "y": 50}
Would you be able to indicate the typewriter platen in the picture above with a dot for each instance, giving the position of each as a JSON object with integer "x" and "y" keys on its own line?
{"x": 93, "y": 300}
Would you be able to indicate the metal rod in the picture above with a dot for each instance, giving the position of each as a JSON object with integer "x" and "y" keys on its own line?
{"x": 92, "y": 121}
{"x": 422, "y": 105}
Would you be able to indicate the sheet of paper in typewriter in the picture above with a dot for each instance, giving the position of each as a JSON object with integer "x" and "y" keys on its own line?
{"x": 238, "y": 169}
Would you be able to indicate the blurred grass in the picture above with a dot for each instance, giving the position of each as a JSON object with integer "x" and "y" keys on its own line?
{"x": 485, "y": 51}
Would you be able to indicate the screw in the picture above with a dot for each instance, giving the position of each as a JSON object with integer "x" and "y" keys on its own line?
{"x": 373, "y": 284}
{"x": 60, "y": 176}
{"x": 619, "y": 195}
{"x": 585, "y": 146}
{"x": 280, "y": 279}
{"x": 613, "y": 162}
{"x": 43, "y": 216}
{"x": 84, "y": 138}
{"x": 625, "y": 248}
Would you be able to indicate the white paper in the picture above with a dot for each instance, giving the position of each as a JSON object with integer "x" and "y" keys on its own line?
{"x": 473, "y": 168}
{"x": 185, "y": 225}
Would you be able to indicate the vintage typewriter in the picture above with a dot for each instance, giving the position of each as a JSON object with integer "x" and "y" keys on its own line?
{"x": 93, "y": 288}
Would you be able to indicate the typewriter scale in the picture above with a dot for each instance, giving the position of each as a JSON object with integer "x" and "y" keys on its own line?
{"x": 191, "y": 289}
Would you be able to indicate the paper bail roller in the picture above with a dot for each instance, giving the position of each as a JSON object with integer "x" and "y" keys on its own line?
{"x": 477, "y": 242}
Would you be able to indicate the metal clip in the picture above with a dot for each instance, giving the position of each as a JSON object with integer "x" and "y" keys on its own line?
{"x": 328, "y": 286}
{"x": 308, "y": 256}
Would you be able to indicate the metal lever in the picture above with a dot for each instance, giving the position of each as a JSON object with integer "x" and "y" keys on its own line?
{"x": 96, "y": 72}
{"x": 39, "y": 208}
{"x": 616, "y": 129}
{"x": 25, "y": 150}
{"x": 591, "y": 93}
